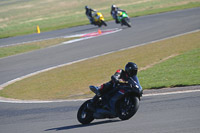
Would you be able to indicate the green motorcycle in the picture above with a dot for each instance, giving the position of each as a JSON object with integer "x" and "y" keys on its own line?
{"x": 123, "y": 18}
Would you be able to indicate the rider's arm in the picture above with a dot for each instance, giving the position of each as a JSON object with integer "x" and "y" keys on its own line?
{"x": 117, "y": 77}
{"x": 121, "y": 10}
{"x": 91, "y": 10}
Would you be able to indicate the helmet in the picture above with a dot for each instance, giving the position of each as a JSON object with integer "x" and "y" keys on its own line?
{"x": 131, "y": 69}
{"x": 86, "y": 7}
{"x": 113, "y": 7}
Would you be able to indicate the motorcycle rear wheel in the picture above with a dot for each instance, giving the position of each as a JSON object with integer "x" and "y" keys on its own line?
{"x": 127, "y": 107}
{"x": 84, "y": 115}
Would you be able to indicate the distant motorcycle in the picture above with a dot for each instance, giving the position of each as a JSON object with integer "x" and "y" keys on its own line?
{"x": 122, "y": 102}
{"x": 123, "y": 18}
{"x": 98, "y": 19}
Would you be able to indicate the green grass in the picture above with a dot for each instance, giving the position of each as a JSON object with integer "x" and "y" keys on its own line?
{"x": 182, "y": 70}
{"x": 72, "y": 81}
{"x": 19, "y": 17}
{"x": 27, "y": 47}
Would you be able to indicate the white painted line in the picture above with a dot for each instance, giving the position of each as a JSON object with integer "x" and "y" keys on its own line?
{"x": 79, "y": 100}
{"x": 44, "y": 70}
{"x": 89, "y": 37}
{"x": 37, "y": 101}
{"x": 76, "y": 35}
{"x": 28, "y": 42}
{"x": 170, "y": 93}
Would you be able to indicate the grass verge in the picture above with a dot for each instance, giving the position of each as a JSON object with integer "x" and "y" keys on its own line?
{"x": 27, "y": 47}
{"x": 182, "y": 70}
{"x": 156, "y": 71}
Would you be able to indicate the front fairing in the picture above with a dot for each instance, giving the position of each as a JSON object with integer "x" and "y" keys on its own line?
{"x": 132, "y": 89}
{"x": 135, "y": 78}
{"x": 98, "y": 17}
{"x": 124, "y": 15}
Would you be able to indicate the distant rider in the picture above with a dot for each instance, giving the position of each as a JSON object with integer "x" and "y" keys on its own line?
{"x": 120, "y": 77}
{"x": 114, "y": 11}
{"x": 88, "y": 13}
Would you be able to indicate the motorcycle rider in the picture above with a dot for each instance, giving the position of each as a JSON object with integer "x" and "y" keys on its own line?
{"x": 113, "y": 12}
{"x": 120, "y": 77}
{"x": 88, "y": 13}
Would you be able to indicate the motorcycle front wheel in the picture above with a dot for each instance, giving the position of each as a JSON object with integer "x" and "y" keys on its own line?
{"x": 127, "y": 22}
{"x": 104, "y": 23}
{"x": 84, "y": 115}
{"x": 127, "y": 107}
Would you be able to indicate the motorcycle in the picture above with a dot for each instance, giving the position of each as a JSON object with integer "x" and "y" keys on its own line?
{"x": 121, "y": 102}
{"x": 123, "y": 18}
{"x": 98, "y": 19}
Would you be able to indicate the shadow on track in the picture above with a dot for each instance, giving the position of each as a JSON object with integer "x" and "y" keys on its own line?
{"x": 80, "y": 125}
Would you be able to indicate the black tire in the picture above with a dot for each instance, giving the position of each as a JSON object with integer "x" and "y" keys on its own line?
{"x": 127, "y": 22}
{"x": 84, "y": 115}
{"x": 104, "y": 23}
{"x": 127, "y": 106}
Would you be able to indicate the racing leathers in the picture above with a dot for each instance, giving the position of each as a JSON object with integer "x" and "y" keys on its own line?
{"x": 119, "y": 77}
{"x": 113, "y": 13}
{"x": 88, "y": 13}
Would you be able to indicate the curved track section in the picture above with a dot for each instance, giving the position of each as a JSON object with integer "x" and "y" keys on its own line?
{"x": 145, "y": 29}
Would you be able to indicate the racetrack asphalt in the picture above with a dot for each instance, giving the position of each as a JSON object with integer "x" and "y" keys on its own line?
{"x": 168, "y": 113}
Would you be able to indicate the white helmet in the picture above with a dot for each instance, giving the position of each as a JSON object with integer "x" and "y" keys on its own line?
{"x": 113, "y": 7}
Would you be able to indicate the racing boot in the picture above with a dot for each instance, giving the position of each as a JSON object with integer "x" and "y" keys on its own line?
{"x": 96, "y": 90}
